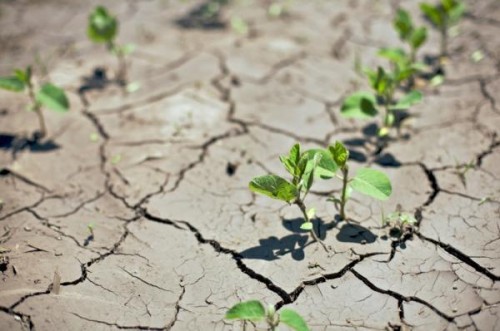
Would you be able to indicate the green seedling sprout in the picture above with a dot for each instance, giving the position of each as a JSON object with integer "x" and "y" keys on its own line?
{"x": 365, "y": 105}
{"x": 103, "y": 29}
{"x": 399, "y": 221}
{"x": 408, "y": 33}
{"x": 367, "y": 181}
{"x": 443, "y": 16}
{"x": 48, "y": 95}
{"x": 303, "y": 167}
{"x": 253, "y": 311}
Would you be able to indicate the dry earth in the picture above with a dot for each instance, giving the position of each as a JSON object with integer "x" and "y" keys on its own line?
{"x": 163, "y": 173}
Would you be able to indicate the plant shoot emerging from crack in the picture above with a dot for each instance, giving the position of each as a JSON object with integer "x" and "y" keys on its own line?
{"x": 253, "y": 311}
{"x": 366, "y": 105}
{"x": 443, "y": 16}
{"x": 48, "y": 95}
{"x": 303, "y": 167}
{"x": 102, "y": 29}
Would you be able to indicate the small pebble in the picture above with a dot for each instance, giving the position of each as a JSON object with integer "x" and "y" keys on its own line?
{"x": 454, "y": 310}
{"x": 455, "y": 287}
{"x": 27, "y": 229}
{"x": 363, "y": 242}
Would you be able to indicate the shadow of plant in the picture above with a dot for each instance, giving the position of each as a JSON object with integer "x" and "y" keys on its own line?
{"x": 206, "y": 15}
{"x": 354, "y": 233}
{"x": 19, "y": 143}
{"x": 273, "y": 248}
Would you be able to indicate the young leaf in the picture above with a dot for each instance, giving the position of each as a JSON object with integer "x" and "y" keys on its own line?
{"x": 23, "y": 75}
{"x": 339, "y": 153}
{"x": 13, "y": 84}
{"x": 291, "y": 162}
{"x": 53, "y": 98}
{"x": 432, "y": 13}
{"x": 372, "y": 183}
{"x": 311, "y": 213}
{"x": 293, "y": 320}
{"x": 403, "y": 24}
{"x": 418, "y": 37}
{"x": 455, "y": 13}
{"x": 325, "y": 167}
{"x": 408, "y": 100}
{"x": 359, "y": 105}
{"x": 393, "y": 54}
{"x": 251, "y": 310}
{"x": 102, "y": 27}
{"x": 307, "y": 226}
{"x": 311, "y": 159}
{"x": 274, "y": 187}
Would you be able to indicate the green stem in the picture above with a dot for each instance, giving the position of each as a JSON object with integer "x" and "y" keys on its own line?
{"x": 121, "y": 75}
{"x": 302, "y": 207}
{"x": 37, "y": 109}
{"x": 444, "y": 40}
{"x": 343, "y": 198}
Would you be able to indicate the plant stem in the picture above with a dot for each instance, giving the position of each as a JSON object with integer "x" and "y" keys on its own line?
{"x": 302, "y": 207}
{"x": 444, "y": 40}
{"x": 37, "y": 109}
{"x": 121, "y": 75}
{"x": 343, "y": 198}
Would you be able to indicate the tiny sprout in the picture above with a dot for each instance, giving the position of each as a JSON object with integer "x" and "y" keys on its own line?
{"x": 443, "y": 16}
{"x": 239, "y": 25}
{"x": 91, "y": 227}
{"x": 304, "y": 167}
{"x": 254, "y": 311}
{"x": 401, "y": 223}
{"x": 365, "y": 105}
{"x": 408, "y": 33}
{"x": 103, "y": 28}
{"x": 47, "y": 95}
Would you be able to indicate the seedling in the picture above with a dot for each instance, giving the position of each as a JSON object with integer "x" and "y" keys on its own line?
{"x": 408, "y": 33}
{"x": 48, "y": 95}
{"x": 253, "y": 311}
{"x": 400, "y": 222}
{"x": 462, "y": 169}
{"x": 367, "y": 181}
{"x": 367, "y": 105}
{"x": 103, "y": 29}
{"x": 303, "y": 167}
{"x": 443, "y": 16}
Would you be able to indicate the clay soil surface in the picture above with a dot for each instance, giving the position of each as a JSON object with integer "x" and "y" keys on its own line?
{"x": 162, "y": 173}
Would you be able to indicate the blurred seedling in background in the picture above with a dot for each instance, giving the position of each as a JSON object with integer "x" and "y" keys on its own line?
{"x": 366, "y": 105}
{"x": 103, "y": 29}
{"x": 90, "y": 237}
{"x": 303, "y": 167}
{"x": 444, "y": 16}
{"x": 462, "y": 169}
{"x": 415, "y": 37}
{"x": 400, "y": 223}
{"x": 48, "y": 95}
{"x": 279, "y": 8}
{"x": 367, "y": 181}
{"x": 253, "y": 311}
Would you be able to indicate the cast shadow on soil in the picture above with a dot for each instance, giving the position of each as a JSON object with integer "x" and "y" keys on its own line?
{"x": 97, "y": 81}
{"x": 379, "y": 157}
{"x": 17, "y": 143}
{"x": 205, "y": 16}
{"x": 273, "y": 248}
{"x": 354, "y": 233}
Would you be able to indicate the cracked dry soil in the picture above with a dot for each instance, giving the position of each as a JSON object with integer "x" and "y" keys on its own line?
{"x": 178, "y": 237}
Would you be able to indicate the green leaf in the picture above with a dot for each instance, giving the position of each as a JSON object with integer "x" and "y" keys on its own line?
{"x": 372, "y": 183}
{"x": 53, "y": 98}
{"x": 403, "y": 24}
{"x": 393, "y": 54}
{"x": 311, "y": 159}
{"x": 307, "y": 226}
{"x": 432, "y": 13}
{"x": 359, "y": 105}
{"x": 291, "y": 162}
{"x": 325, "y": 167}
{"x": 456, "y": 13}
{"x": 382, "y": 82}
{"x": 418, "y": 37}
{"x": 23, "y": 75}
{"x": 239, "y": 25}
{"x": 339, "y": 153}
{"x": 408, "y": 100}
{"x": 13, "y": 84}
{"x": 251, "y": 310}
{"x": 292, "y": 319}
{"x": 274, "y": 187}
{"x": 311, "y": 213}
{"x": 102, "y": 27}
{"x": 437, "y": 80}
